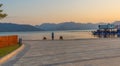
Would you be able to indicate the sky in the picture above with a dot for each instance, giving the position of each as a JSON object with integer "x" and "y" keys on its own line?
{"x": 56, "y": 11}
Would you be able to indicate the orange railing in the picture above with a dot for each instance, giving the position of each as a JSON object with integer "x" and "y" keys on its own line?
{"x": 8, "y": 40}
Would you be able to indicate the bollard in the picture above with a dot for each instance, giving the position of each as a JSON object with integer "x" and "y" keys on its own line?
{"x": 20, "y": 41}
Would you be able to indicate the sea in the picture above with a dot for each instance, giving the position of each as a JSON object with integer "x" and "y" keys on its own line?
{"x": 66, "y": 34}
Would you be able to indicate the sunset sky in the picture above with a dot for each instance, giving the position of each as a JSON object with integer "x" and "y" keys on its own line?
{"x": 56, "y": 11}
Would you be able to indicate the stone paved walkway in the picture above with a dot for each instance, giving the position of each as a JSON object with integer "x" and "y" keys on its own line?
{"x": 103, "y": 52}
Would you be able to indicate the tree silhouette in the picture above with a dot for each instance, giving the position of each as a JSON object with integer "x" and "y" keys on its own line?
{"x": 2, "y": 15}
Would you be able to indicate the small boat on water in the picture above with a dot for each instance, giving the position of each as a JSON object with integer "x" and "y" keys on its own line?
{"x": 107, "y": 30}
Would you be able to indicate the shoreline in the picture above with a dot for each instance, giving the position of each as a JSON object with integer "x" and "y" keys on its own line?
{"x": 75, "y": 39}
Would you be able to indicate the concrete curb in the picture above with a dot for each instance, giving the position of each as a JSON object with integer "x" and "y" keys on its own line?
{"x": 9, "y": 56}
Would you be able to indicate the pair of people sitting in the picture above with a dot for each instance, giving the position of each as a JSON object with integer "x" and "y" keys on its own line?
{"x": 60, "y": 38}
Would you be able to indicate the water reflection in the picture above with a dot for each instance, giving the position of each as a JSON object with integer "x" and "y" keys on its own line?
{"x": 46, "y": 35}
{"x": 40, "y": 35}
{"x": 107, "y": 35}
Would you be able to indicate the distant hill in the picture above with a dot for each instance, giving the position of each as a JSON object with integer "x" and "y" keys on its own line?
{"x": 9, "y": 27}
{"x": 117, "y": 23}
{"x": 71, "y": 26}
{"x": 67, "y": 26}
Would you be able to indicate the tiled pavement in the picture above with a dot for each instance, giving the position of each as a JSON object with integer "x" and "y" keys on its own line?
{"x": 99, "y": 52}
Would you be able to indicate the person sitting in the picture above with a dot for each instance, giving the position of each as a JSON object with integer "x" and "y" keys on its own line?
{"x": 61, "y": 38}
{"x": 44, "y": 38}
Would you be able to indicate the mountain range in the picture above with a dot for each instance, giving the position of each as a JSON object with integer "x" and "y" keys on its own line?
{"x": 10, "y": 27}
{"x": 68, "y": 26}
{"x": 71, "y": 26}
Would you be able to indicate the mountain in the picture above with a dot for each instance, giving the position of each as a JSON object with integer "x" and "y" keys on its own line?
{"x": 67, "y": 26}
{"x": 72, "y": 26}
{"x": 9, "y": 27}
{"x": 117, "y": 23}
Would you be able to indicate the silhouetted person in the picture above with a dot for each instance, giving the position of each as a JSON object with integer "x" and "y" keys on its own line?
{"x": 61, "y": 38}
{"x": 52, "y": 35}
{"x": 44, "y": 38}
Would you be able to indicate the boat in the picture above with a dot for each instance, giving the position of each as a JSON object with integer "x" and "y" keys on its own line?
{"x": 107, "y": 30}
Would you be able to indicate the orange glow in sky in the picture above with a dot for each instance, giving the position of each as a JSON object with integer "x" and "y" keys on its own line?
{"x": 56, "y": 11}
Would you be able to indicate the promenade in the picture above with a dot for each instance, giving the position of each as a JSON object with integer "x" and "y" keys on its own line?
{"x": 95, "y": 52}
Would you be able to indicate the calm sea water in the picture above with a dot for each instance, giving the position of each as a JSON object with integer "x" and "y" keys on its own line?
{"x": 69, "y": 34}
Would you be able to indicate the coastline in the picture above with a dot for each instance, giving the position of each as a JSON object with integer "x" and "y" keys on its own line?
{"x": 76, "y": 39}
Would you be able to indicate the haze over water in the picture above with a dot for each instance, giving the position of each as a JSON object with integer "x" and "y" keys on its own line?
{"x": 70, "y": 34}
{"x": 36, "y": 12}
